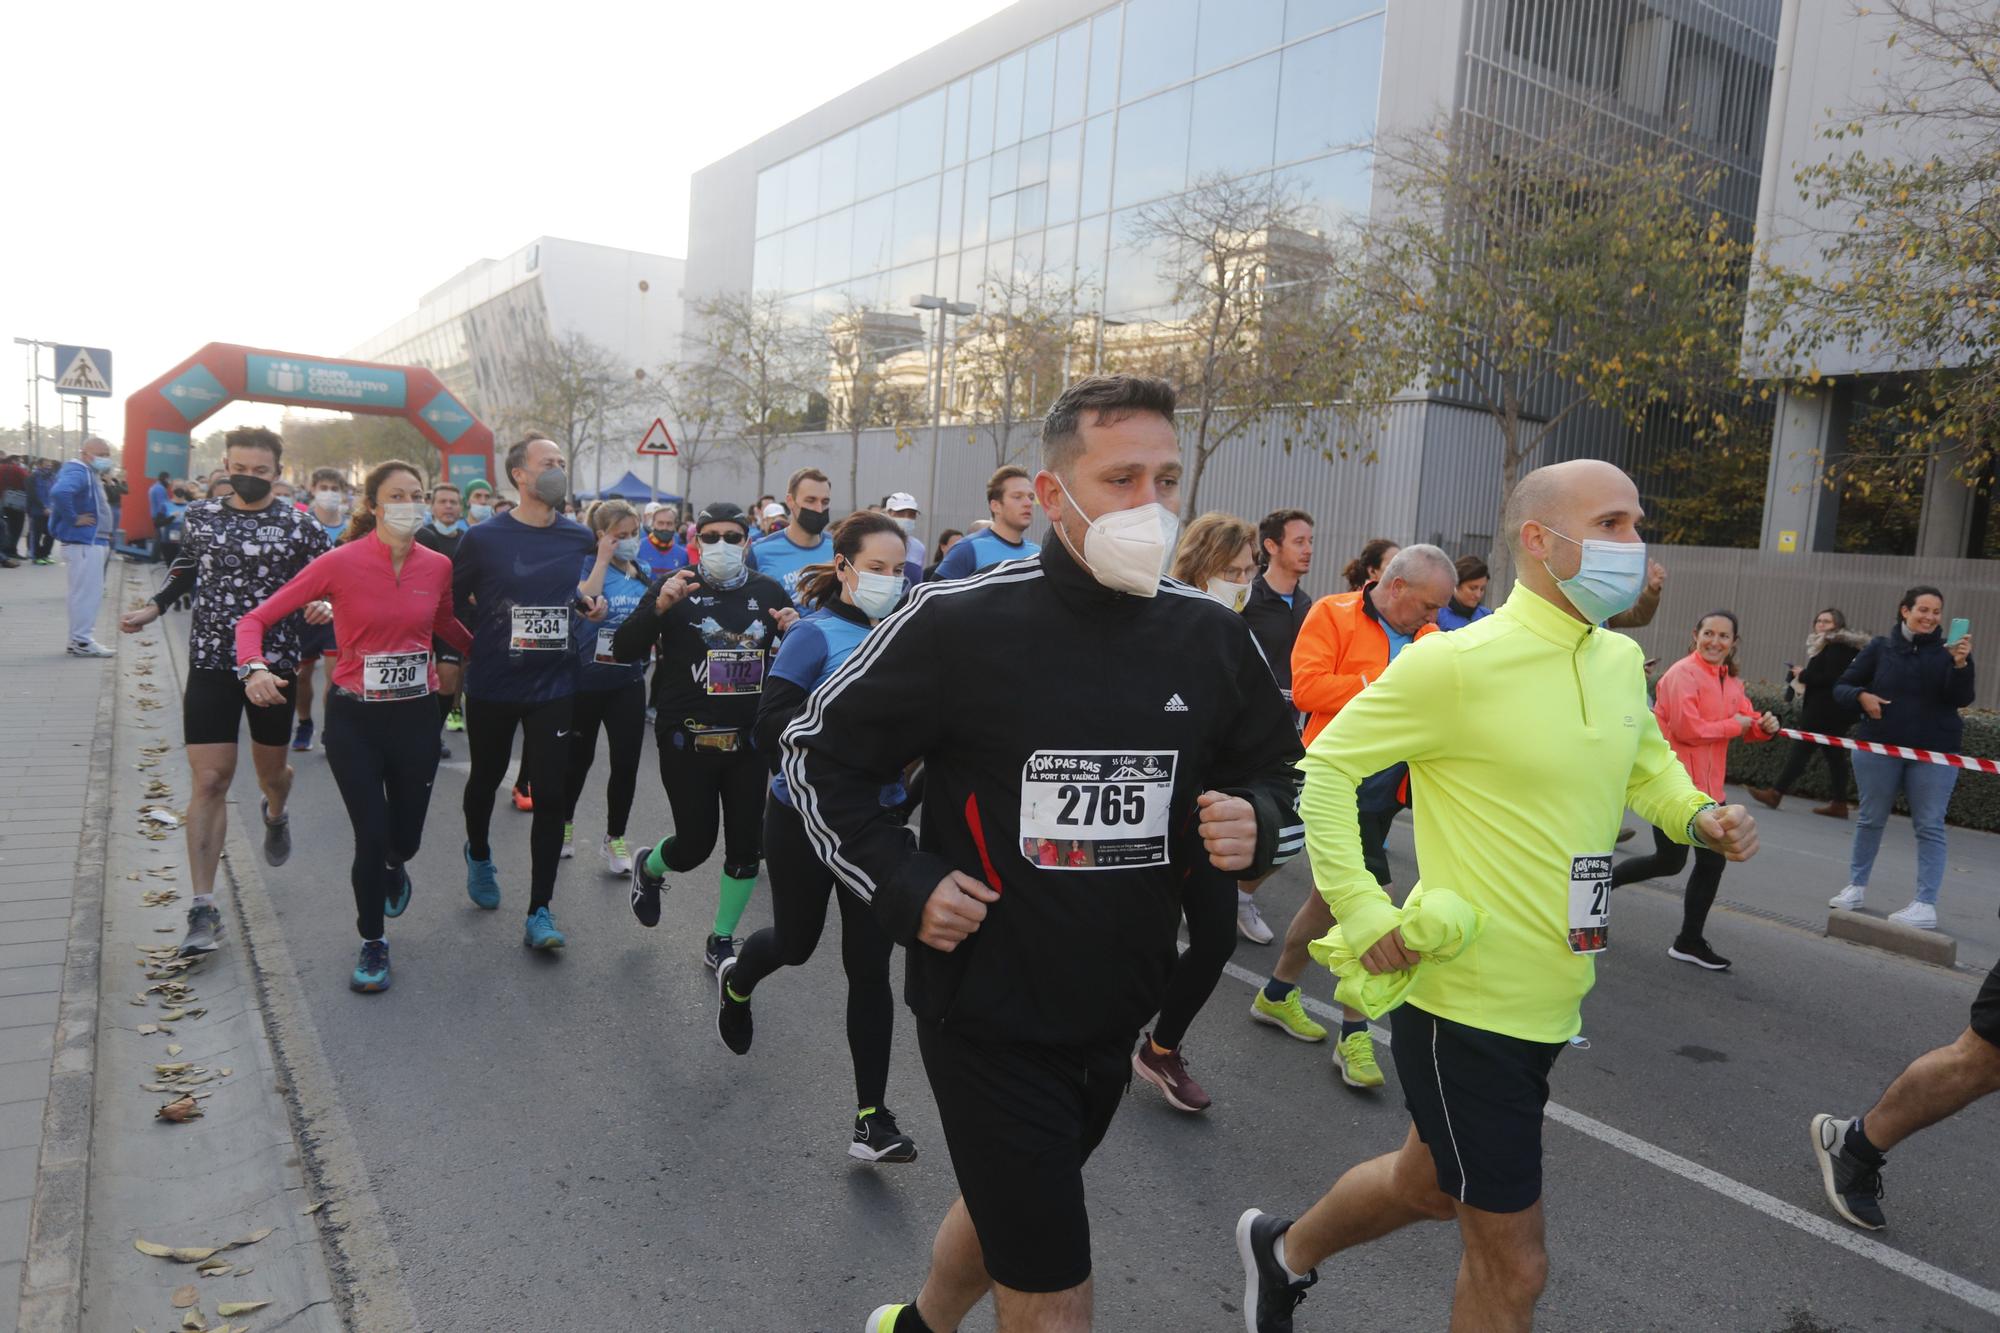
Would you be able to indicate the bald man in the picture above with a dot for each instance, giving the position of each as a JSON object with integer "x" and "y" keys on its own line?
{"x": 1527, "y": 734}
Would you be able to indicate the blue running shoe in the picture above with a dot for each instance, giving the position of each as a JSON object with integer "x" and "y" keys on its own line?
{"x": 372, "y": 972}
{"x": 399, "y": 893}
{"x": 482, "y": 881}
{"x": 302, "y": 739}
{"x": 541, "y": 932}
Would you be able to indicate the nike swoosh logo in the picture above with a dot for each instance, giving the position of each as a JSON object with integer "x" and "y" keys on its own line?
{"x": 561, "y": 734}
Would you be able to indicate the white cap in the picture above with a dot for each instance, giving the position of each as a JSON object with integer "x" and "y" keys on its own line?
{"x": 773, "y": 510}
{"x": 901, "y": 500}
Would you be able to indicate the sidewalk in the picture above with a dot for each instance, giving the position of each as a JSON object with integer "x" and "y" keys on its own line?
{"x": 52, "y": 816}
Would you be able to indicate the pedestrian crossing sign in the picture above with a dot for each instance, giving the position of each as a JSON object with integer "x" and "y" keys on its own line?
{"x": 83, "y": 371}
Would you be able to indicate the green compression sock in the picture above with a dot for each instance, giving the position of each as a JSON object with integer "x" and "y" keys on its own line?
{"x": 729, "y": 904}
{"x": 656, "y": 865}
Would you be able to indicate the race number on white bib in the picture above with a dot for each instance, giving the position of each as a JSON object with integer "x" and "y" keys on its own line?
{"x": 386, "y": 676}
{"x": 1590, "y": 903}
{"x": 1096, "y": 809}
{"x": 604, "y": 655}
{"x": 736, "y": 671}
{"x": 540, "y": 629}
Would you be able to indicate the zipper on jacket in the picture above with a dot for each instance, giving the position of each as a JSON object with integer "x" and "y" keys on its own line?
{"x": 1576, "y": 673}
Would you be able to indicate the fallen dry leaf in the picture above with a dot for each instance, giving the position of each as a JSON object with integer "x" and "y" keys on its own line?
{"x": 240, "y": 1307}
{"x": 179, "y": 1254}
{"x": 193, "y": 1322}
{"x": 315, "y": 1208}
{"x": 179, "y": 1111}
{"x": 252, "y": 1238}
{"x": 173, "y": 1049}
{"x": 183, "y": 1297}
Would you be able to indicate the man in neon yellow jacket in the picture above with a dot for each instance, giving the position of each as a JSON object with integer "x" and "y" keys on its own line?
{"x": 1527, "y": 735}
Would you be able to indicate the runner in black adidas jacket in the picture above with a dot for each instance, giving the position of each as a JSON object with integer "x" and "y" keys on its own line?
{"x": 1083, "y": 746}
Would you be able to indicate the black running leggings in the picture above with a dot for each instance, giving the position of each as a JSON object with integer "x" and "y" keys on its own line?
{"x": 1208, "y": 901}
{"x": 1667, "y": 859}
{"x": 384, "y": 758}
{"x": 622, "y": 713}
{"x": 489, "y": 731}
{"x": 1802, "y": 753}
{"x": 800, "y": 885}
{"x": 712, "y": 791}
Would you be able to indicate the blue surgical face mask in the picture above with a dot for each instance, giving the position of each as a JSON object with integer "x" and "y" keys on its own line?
{"x": 480, "y": 513}
{"x": 101, "y": 463}
{"x": 877, "y": 594}
{"x": 1607, "y": 581}
{"x": 626, "y": 551}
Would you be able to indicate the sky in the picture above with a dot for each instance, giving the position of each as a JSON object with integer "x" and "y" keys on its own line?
{"x": 297, "y": 176}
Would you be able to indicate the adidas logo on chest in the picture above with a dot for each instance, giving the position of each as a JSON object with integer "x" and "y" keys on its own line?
{"x": 1176, "y": 705}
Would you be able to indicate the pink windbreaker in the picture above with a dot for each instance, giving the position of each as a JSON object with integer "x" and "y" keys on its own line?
{"x": 1697, "y": 706}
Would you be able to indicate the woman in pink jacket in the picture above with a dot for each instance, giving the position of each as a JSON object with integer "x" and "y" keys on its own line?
{"x": 1701, "y": 707}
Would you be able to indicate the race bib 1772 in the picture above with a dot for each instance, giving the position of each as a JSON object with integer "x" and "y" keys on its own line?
{"x": 1096, "y": 809}
{"x": 540, "y": 629}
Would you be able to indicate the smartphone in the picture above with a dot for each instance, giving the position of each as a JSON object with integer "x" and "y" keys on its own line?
{"x": 1960, "y": 627}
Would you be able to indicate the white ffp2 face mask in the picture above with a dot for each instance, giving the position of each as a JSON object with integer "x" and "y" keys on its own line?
{"x": 1231, "y": 595}
{"x": 1127, "y": 550}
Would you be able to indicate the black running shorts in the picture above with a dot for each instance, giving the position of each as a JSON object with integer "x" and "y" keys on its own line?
{"x": 1477, "y": 1100}
{"x": 1986, "y": 1008}
{"x": 1020, "y": 1122}
{"x": 212, "y": 711}
{"x": 316, "y": 641}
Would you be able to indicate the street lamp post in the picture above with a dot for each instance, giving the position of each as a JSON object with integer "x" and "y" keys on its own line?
{"x": 944, "y": 309}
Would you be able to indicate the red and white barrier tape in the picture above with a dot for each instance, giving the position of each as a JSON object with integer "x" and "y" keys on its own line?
{"x": 1964, "y": 761}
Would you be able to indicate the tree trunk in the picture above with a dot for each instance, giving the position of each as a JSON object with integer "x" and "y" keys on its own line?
{"x": 854, "y": 469}
{"x": 1500, "y": 562}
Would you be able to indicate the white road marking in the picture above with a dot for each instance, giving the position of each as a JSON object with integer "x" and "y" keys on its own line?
{"x": 1937, "y": 1279}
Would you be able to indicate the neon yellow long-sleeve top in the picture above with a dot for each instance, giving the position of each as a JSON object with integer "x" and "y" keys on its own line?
{"x": 1527, "y": 734}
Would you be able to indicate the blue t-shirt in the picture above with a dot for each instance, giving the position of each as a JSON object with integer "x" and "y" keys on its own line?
{"x": 657, "y": 562}
{"x": 1398, "y": 640}
{"x": 781, "y": 558}
{"x": 157, "y": 500}
{"x": 333, "y": 530}
{"x": 596, "y": 669}
{"x": 813, "y": 650}
{"x": 981, "y": 550}
{"x": 1290, "y": 597}
{"x": 510, "y": 571}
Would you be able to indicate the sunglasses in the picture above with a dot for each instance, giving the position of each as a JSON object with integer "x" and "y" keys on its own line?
{"x": 711, "y": 538}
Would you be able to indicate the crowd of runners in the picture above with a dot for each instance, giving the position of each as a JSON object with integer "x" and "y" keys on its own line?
{"x": 1199, "y": 720}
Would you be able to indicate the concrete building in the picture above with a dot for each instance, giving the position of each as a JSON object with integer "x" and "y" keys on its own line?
{"x": 482, "y": 329}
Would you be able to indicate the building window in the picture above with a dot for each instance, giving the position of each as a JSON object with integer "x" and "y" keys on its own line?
{"x": 1152, "y": 148}
{"x": 1235, "y": 114}
{"x": 1159, "y": 45}
{"x": 1233, "y": 29}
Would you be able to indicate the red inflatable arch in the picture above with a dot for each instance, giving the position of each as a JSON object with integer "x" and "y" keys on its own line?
{"x": 160, "y": 417}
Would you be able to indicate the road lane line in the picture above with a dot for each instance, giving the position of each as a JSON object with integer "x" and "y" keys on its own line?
{"x": 1930, "y": 1275}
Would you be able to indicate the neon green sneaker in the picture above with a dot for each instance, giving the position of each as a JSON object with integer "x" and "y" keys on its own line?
{"x": 454, "y": 720}
{"x": 1288, "y": 1017}
{"x": 1354, "y": 1057}
{"x": 569, "y": 841}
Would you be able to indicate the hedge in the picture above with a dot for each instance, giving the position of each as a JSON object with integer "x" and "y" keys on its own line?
{"x": 1975, "y": 802}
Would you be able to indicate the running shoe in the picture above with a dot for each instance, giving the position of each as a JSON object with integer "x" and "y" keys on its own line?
{"x": 482, "y": 881}
{"x": 277, "y": 836}
{"x": 1698, "y": 953}
{"x": 205, "y": 930}
{"x": 1169, "y": 1074}
{"x": 43, "y": 560}
{"x": 1920, "y": 915}
{"x": 90, "y": 648}
{"x": 1354, "y": 1057}
{"x": 1849, "y": 899}
{"x": 444, "y": 751}
{"x": 1270, "y": 1294}
{"x": 1250, "y": 922}
{"x": 1853, "y": 1187}
{"x": 569, "y": 842}
{"x": 617, "y": 856}
{"x": 302, "y": 739}
{"x": 646, "y": 890}
{"x": 399, "y": 893}
{"x": 372, "y": 972}
{"x": 717, "y": 950}
{"x": 541, "y": 932}
{"x": 454, "y": 720}
{"x": 876, "y": 1138}
{"x": 883, "y": 1320}
{"x": 1288, "y": 1017}
{"x": 732, "y": 1017}
{"x": 524, "y": 801}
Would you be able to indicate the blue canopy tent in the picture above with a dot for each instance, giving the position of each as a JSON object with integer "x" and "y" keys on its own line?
{"x": 629, "y": 487}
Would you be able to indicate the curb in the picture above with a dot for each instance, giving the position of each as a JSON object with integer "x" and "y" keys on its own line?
{"x": 52, "y": 1278}
{"x": 1926, "y": 946}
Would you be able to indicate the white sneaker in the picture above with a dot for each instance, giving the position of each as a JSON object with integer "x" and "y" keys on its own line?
{"x": 1849, "y": 898}
{"x": 617, "y": 857}
{"x": 569, "y": 841}
{"x": 90, "y": 648}
{"x": 1920, "y": 915}
{"x": 1250, "y": 922}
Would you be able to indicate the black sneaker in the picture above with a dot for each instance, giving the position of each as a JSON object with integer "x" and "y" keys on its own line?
{"x": 877, "y": 1139}
{"x": 1269, "y": 1293}
{"x": 1698, "y": 953}
{"x": 205, "y": 930}
{"x": 398, "y": 899}
{"x": 646, "y": 890}
{"x": 1853, "y": 1187}
{"x": 717, "y": 950}
{"x": 732, "y": 1016}
{"x": 277, "y": 834}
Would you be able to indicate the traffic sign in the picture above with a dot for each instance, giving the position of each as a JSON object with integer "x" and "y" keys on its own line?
{"x": 664, "y": 446}
{"x": 83, "y": 371}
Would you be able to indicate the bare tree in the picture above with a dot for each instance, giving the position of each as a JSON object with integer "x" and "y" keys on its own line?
{"x": 870, "y": 382}
{"x": 579, "y": 394}
{"x": 760, "y": 357}
{"x": 353, "y": 444}
{"x": 1011, "y": 356}
{"x": 695, "y": 397}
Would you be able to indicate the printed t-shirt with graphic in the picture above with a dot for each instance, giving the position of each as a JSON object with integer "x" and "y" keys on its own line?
{"x": 982, "y": 550}
{"x": 521, "y": 581}
{"x": 778, "y": 556}
{"x": 715, "y": 646}
{"x": 598, "y": 669}
{"x": 239, "y": 558}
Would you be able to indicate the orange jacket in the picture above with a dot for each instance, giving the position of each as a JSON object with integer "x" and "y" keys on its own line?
{"x": 1697, "y": 707}
{"x": 1339, "y": 650}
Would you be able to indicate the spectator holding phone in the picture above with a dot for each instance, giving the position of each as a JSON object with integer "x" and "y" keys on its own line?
{"x": 1830, "y": 648}
{"x": 1911, "y": 684}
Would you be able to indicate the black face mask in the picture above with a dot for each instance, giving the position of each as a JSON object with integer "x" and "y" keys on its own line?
{"x": 812, "y": 520}
{"x": 249, "y": 489}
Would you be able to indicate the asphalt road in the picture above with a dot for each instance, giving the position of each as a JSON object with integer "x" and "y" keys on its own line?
{"x": 562, "y": 1142}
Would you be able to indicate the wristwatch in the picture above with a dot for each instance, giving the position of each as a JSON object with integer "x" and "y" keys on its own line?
{"x": 249, "y": 669}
